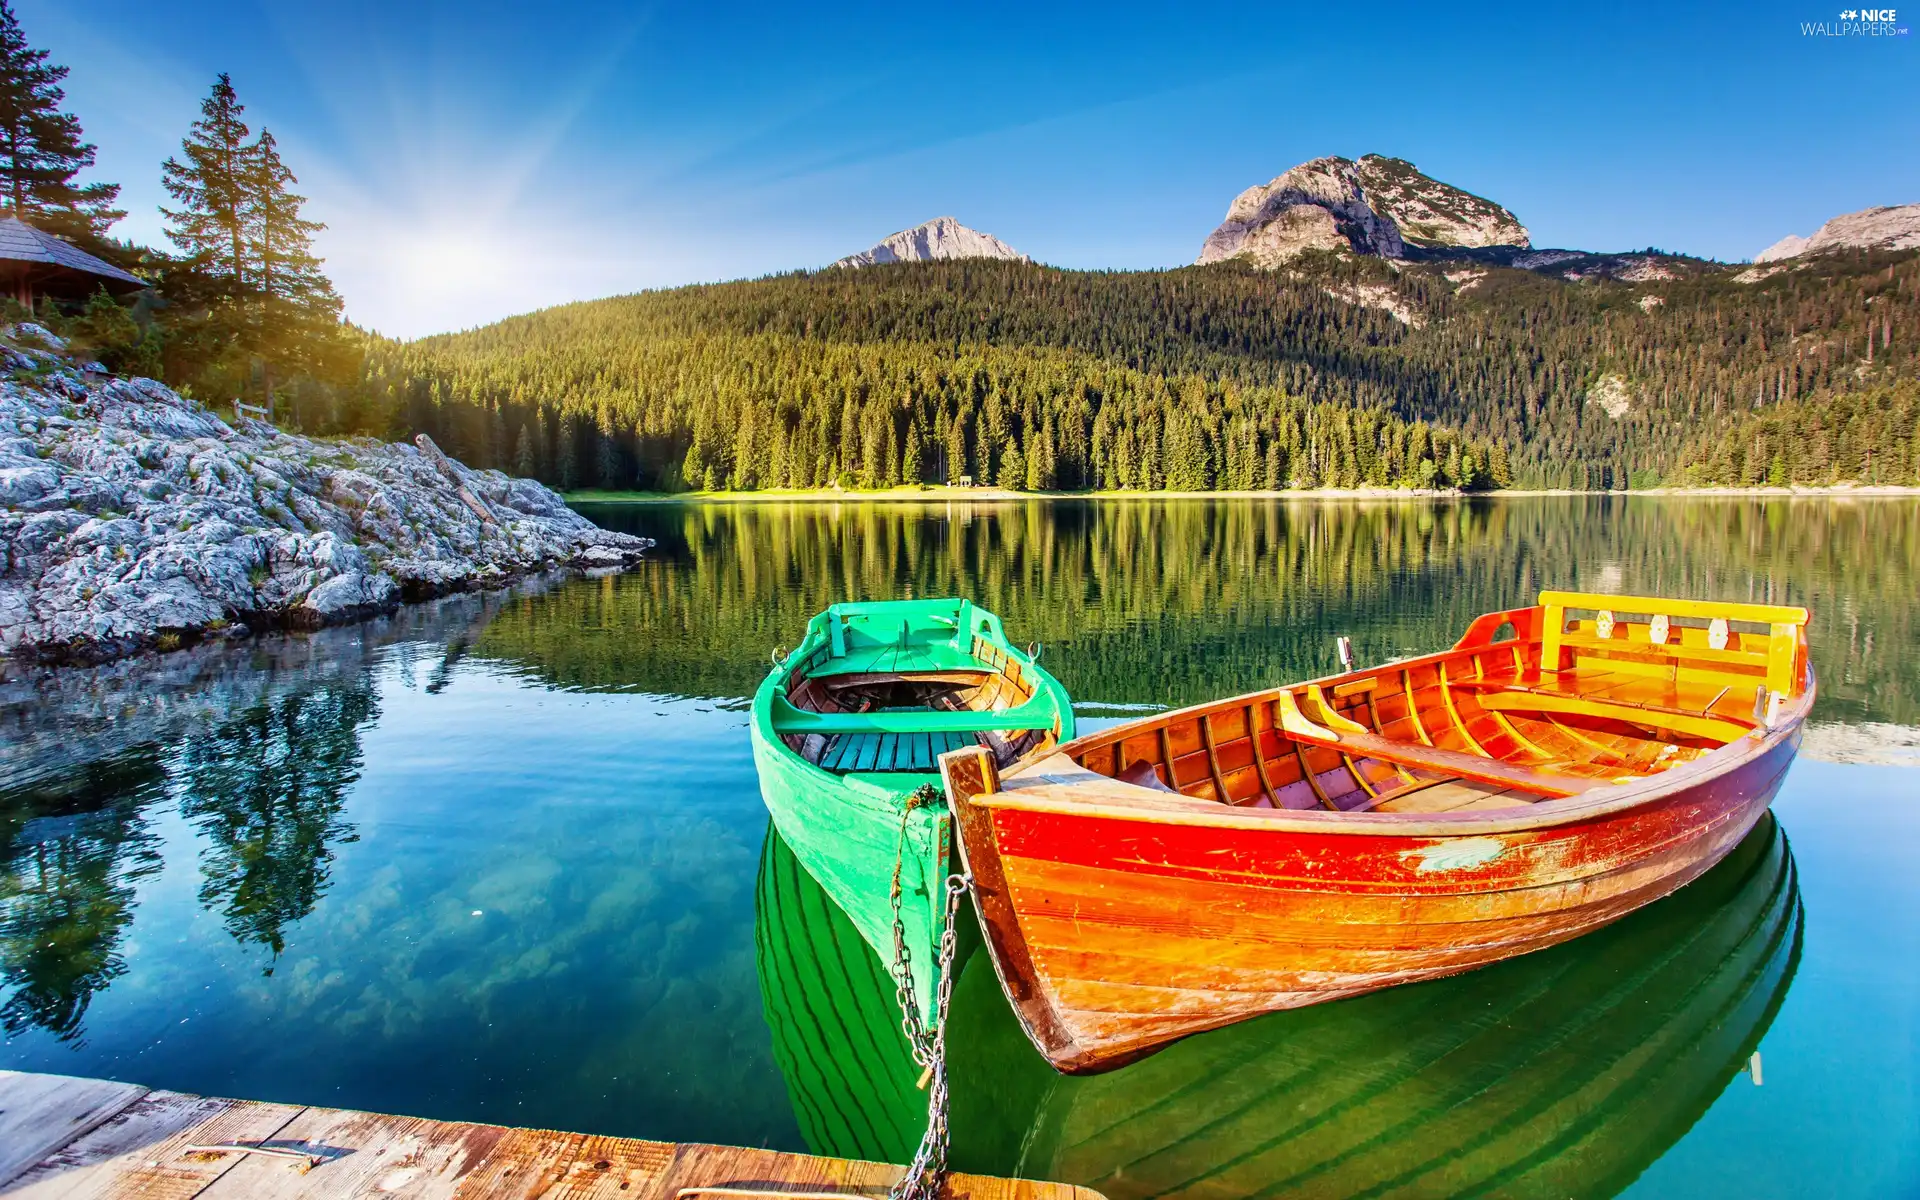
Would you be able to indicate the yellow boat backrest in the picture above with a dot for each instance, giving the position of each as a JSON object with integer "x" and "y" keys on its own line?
{"x": 1646, "y": 633}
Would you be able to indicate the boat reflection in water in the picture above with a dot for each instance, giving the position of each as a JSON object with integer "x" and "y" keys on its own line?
{"x": 1561, "y": 1073}
{"x": 835, "y": 1022}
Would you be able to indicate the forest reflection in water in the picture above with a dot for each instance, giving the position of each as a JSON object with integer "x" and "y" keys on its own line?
{"x": 255, "y": 746}
{"x": 494, "y": 858}
{"x": 1172, "y": 602}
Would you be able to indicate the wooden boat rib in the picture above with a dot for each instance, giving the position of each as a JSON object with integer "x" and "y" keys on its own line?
{"x": 849, "y": 725}
{"x": 1559, "y": 767}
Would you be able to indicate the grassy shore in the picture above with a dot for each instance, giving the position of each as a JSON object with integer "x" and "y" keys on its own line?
{"x": 926, "y": 494}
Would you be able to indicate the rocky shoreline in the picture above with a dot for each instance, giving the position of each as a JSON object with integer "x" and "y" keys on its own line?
{"x": 131, "y": 518}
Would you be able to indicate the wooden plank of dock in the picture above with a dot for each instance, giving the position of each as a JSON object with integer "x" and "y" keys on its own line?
{"x": 91, "y": 1139}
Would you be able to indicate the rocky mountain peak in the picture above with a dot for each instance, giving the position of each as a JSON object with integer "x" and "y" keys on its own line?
{"x": 1435, "y": 214}
{"x": 1890, "y": 227}
{"x": 940, "y": 238}
{"x": 1375, "y": 206}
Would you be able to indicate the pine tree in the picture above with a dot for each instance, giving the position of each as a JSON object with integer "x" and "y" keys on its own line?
{"x": 1498, "y": 467}
{"x": 279, "y": 242}
{"x": 956, "y": 451}
{"x": 40, "y": 147}
{"x": 606, "y": 463}
{"x": 210, "y": 226}
{"x": 1013, "y": 469}
{"x": 524, "y": 463}
{"x": 537, "y": 427}
{"x": 910, "y": 464}
{"x": 567, "y": 454}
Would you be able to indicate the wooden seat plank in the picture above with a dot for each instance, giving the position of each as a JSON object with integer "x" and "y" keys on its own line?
{"x": 1033, "y": 714}
{"x": 922, "y": 751}
{"x": 1659, "y": 716}
{"x": 1430, "y": 758}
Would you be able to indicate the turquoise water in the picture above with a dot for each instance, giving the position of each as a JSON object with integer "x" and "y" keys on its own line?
{"x": 495, "y": 858}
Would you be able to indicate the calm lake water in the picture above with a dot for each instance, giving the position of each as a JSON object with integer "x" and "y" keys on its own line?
{"x": 503, "y": 858}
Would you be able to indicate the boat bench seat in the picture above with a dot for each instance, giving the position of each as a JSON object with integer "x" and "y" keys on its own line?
{"x": 1354, "y": 740}
{"x": 1521, "y": 698}
{"x": 890, "y": 751}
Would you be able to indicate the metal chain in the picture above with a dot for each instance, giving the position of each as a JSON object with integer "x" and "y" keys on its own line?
{"x": 926, "y": 1174}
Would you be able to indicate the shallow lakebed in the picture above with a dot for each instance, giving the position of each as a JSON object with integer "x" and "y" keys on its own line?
{"x": 503, "y": 858}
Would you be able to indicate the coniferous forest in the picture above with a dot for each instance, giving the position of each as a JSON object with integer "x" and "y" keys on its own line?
{"x": 1337, "y": 371}
{"x": 1200, "y": 378}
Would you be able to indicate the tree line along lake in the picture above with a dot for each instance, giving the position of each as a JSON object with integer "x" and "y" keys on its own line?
{"x": 502, "y": 857}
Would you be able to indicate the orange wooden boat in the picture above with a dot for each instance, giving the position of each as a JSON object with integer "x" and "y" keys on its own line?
{"x": 1558, "y": 768}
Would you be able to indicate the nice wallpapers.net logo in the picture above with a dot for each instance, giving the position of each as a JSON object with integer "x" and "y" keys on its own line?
{"x": 1858, "y": 22}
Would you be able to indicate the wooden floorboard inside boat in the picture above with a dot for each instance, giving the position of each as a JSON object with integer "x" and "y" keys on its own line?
{"x": 67, "y": 1137}
{"x": 1456, "y": 794}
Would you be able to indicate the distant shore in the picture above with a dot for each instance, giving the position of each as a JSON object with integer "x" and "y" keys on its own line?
{"x": 930, "y": 493}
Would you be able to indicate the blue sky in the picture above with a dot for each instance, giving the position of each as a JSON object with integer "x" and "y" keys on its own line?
{"x": 478, "y": 159}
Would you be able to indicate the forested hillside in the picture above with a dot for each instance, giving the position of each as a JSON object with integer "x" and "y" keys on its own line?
{"x": 1340, "y": 371}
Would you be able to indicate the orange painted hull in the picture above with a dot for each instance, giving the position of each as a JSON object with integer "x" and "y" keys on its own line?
{"x": 1120, "y": 919}
{"x": 1139, "y": 933}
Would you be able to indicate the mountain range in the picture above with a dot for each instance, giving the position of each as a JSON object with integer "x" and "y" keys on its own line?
{"x": 1388, "y": 208}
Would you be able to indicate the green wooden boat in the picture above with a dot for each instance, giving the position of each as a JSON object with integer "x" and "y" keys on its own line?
{"x": 1562, "y": 1073}
{"x": 851, "y": 723}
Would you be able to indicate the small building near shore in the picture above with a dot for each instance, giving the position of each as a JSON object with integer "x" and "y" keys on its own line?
{"x": 35, "y": 263}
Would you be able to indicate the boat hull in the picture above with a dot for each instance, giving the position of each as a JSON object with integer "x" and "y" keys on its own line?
{"x": 848, "y": 834}
{"x": 1557, "y": 1074}
{"x": 1115, "y": 934}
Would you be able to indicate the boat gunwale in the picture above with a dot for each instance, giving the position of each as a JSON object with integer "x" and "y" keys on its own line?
{"x": 1028, "y": 785}
{"x": 818, "y": 634}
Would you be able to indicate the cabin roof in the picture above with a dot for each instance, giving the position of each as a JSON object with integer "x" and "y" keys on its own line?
{"x": 48, "y": 257}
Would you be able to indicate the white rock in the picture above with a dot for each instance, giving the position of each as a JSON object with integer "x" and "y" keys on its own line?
{"x": 940, "y": 238}
{"x": 1790, "y": 246}
{"x": 1380, "y": 296}
{"x": 1431, "y": 213}
{"x": 1890, "y": 227}
{"x": 349, "y": 594}
{"x": 1612, "y": 394}
{"x": 20, "y": 484}
{"x": 1316, "y": 205}
{"x": 1374, "y": 206}
{"x": 145, "y": 514}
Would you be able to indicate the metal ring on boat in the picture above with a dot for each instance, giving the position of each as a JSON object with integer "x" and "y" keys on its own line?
{"x": 1033, "y": 651}
{"x": 779, "y": 655}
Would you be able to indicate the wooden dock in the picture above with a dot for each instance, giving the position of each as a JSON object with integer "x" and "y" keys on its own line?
{"x": 62, "y": 1136}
